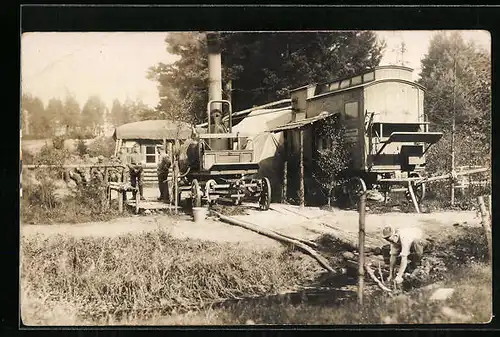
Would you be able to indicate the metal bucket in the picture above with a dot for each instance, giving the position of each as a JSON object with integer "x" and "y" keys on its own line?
{"x": 199, "y": 214}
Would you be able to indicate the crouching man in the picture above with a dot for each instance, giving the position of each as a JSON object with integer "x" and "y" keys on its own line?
{"x": 408, "y": 243}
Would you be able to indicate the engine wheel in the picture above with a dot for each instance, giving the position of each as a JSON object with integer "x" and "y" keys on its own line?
{"x": 195, "y": 193}
{"x": 265, "y": 195}
{"x": 356, "y": 188}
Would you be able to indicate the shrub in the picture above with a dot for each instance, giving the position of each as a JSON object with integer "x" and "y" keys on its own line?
{"x": 332, "y": 160}
{"x": 104, "y": 146}
{"x": 51, "y": 156}
{"x": 58, "y": 142}
{"x": 82, "y": 148}
{"x": 27, "y": 157}
{"x": 40, "y": 204}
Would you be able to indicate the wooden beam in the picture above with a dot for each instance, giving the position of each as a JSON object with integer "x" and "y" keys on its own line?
{"x": 121, "y": 196}
{"x": 285, "y": 168}
{"x": 361, "y": 247}
{"x": 485, "y": 220}
{"x": 301, "y": 169}
{"x": 412, "y": 194}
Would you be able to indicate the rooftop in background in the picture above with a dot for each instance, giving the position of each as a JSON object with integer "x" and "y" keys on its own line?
{"x": 154, "y": 129}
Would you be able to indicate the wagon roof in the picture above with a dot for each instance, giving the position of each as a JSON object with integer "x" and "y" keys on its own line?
{"x": 154, "y": 129}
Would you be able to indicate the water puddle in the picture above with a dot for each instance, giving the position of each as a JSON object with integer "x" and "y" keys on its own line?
{"x": 328, "y": 292}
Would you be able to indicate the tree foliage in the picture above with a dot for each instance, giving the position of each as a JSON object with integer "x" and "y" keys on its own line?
{"x": 262, "y": 67}
{"x": 52, "y": 116}
{"x": 93, "y": 116}
{"x": 333, "y": 158}
{"x": 33, "y": 120}
{"x": 71, "y": 116}
{"x": 457, "y": 76}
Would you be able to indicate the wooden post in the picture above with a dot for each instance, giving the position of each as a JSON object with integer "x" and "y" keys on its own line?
{"x": 301, "y": 169}
{"x": 361, "y": 248}
{"x": 412, "y": 194}
{"x": 229, "y": 90}
{"x": 285, "y": 168}
{"x": 176, "y": 185}
{"x": 486, "y": 224}
{"x": 120, "y": 201}
{"x": 453, "y": 135}
{"x": 137, "y": 199}
{"x": 489, "y": 206}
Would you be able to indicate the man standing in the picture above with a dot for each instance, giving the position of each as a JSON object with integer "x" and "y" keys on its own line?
{"x": 163, "y": 168}
{"x": 407, "y": 242}
{"x": 136, "y": 169}
{"x": 218, "y": 127}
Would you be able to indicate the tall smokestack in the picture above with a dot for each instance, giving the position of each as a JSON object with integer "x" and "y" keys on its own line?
{"x": 214, "y": 68}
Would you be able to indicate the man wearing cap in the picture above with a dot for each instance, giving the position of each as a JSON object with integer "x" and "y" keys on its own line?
{"x": 407, "y": 242}
{"x": 218, "y": 127}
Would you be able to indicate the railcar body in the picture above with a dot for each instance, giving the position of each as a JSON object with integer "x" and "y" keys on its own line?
{"x": 382, "y": 111}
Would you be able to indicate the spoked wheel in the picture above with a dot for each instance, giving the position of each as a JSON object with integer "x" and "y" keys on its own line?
{"x": 195, "y": 193}
{"x": 209, "y": 189}
{"x": 265, "y": 195}
{"x": 418, "y": 190}
{"x": 356, "y": 188}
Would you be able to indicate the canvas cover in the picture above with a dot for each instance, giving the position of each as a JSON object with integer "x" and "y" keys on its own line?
{"x": 267, "y": 150}
{"x": 154, "y": 129}
{"x": 267, "y": 146}
{"x": 259, "y": 121}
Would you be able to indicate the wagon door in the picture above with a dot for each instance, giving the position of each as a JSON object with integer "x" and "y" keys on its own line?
{"x": 351, "y": 124}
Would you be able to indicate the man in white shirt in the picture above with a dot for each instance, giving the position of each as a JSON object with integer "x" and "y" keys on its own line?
{"x": 407, "y": 242}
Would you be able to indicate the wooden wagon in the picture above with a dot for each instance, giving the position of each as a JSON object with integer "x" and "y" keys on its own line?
{"x": 382, "y": 111}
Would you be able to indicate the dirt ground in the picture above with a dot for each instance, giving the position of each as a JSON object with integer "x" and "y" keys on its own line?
{"x": 308, "y": 223}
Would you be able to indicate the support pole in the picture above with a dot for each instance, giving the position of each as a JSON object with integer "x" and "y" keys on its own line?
{"x": 301, "y": 169}
{"x": 121, "y": 197}
{"x": 486, "y": 224}
{"x": 285, "y": 169}
{"x": 413, "y": 198}
{"x": 361, "y": 248}
{"x": 176, "y": 185}
{"x": 137, "y": 199}
{"x": 489, "y": 206}
{"x": 453, "y": 136}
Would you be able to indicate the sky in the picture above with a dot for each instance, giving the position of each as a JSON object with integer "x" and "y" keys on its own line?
{"x": 114, "y": 65}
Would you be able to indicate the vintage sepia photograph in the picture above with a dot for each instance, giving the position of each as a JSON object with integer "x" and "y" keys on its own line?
{"x": 255, "y": 178}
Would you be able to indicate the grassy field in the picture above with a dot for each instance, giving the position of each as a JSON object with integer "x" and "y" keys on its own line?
{"x": 133, "y": 276}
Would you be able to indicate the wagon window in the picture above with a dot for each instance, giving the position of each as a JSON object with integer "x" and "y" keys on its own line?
{"x": 368, "y": 77}
{"x": 351, "y": 110}
{"x": 334, "y": 86}
{"x": 344, "y": 83}
{"x": 151, "y": 154}
{"x": 321, "y": 89}
{"x": 356, "y": 80}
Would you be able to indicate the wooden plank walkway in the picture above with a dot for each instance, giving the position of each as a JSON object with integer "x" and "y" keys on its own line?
{"x": 151, "y": 205}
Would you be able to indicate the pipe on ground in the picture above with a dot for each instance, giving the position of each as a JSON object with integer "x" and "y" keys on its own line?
{"x": 321, "y": 260}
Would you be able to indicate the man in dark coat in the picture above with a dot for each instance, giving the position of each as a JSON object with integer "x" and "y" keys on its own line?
{"x": 163, "y": 169}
